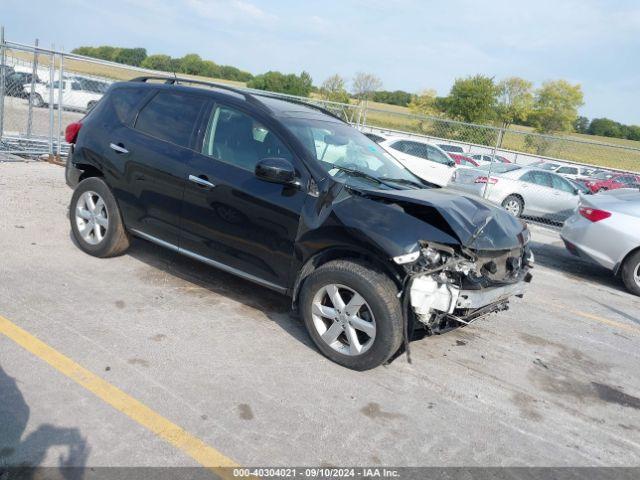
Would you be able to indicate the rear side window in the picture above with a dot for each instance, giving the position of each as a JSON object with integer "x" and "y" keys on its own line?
{"x": 537, "y": 177}
{"x": 170, "y": 116}
{"x": 125, "y": 100}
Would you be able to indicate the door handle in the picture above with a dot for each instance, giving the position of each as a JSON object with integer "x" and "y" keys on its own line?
{"x": 118, "y": 148}
{"x": 203, "y": 182}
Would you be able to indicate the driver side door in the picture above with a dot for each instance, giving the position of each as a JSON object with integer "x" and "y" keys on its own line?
{"x": 231, "y": 218}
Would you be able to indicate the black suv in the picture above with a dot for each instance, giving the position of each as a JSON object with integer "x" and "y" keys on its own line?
{"x": 291, "y": 197}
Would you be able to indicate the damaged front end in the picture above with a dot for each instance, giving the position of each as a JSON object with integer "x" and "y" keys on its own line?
{"x": 448, "y": 287}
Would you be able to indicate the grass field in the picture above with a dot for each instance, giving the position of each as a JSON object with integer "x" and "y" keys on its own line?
{"x": 617, "y": 153}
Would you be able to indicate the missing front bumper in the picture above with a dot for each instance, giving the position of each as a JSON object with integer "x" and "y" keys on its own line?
{"x": 430, "y": 298}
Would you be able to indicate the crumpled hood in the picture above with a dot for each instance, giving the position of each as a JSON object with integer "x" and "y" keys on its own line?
{"x": 463, "y": 214}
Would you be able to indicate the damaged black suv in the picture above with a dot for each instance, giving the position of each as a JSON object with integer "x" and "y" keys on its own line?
{"x": 291, "y": 197}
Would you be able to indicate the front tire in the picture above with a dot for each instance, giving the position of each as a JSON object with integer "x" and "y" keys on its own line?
{"x": 514, "y": 205}
{"x": 352, "y": 314}
{"x": 95, "y": 218}
{"x": 630, "y": 273}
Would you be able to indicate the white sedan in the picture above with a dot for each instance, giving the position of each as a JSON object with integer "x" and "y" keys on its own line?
{"x": 424, "y": 159}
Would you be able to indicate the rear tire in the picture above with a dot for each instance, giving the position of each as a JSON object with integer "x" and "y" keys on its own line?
{"x": 514, "y": 205}
{"x": 95, "y": 219}
{"x": 37, "y": 100}
{"x": 363, "y": 328}
{"x": 630, "y": 273}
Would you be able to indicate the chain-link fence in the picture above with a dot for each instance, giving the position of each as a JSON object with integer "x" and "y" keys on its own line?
{"x": 43, "y": 90}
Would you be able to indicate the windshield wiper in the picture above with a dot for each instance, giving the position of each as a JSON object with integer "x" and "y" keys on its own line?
{"x": 405, "y": 181}
{"x": 358, "y": 173}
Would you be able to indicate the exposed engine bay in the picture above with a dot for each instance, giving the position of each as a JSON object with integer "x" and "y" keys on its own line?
{"x": 450, "y": 287}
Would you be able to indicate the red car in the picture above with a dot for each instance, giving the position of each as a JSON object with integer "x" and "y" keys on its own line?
{"x": 607, "y": 181}
{"x": 463, "y": 160}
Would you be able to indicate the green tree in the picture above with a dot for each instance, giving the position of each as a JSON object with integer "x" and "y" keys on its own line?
{"x": 425, "y": 104}
{"x": 158, "y": 62}
{"x": 130, "y": 56}
{"x": 397, "y": 97}
{"x": 556, "y": 106}
{"x": 607, "y": 128}
{"x": 191, "y": 64}
{"x": 334, "y": 89}
{"x": 514, "y": 100}
{"x": 472, "y": 99}
{"x": 581, "y": 125}
{"x": 280, "y": 83}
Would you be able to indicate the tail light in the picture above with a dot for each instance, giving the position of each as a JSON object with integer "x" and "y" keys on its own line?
{"x": 490, "y": 180}
{"x": 71, "y": 132}
{"x": 593, "y": 214}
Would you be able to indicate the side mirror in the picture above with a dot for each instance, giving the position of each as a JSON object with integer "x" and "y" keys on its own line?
{"x": 276, "y": 170}
{"x": 452, "y": 163}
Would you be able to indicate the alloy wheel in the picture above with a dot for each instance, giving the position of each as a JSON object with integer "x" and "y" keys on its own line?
{"x": 92, "y": 218}
{"x": 636, "y": 275}
{"x": 343, "y": 319}
{"x": 513, "y": 207}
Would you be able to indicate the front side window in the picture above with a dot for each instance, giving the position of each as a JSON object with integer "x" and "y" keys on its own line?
{"x": 170, "y": 116}
{"x": 238, "y": 139}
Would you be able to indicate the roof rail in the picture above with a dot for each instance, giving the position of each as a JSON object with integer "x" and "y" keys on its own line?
{"x": 174, "y": 80}
{"x": 249, "y": 96}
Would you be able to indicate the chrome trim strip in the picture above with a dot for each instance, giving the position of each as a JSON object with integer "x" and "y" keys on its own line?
{"x": 208, "y": 261}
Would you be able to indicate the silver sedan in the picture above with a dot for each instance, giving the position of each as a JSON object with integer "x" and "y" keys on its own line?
{"x": 606, "y": 230}
{"x": 520, "y": 190}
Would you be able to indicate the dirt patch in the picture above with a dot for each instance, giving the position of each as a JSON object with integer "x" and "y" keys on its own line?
{"x": 138, "y": 361}
{"x": 245, "y": 412}
{"x": 373, "y": 410}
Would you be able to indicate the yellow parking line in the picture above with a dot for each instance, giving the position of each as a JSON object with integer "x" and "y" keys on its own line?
{"x": 178, "y": 437}
{"x": 605, "y": 321}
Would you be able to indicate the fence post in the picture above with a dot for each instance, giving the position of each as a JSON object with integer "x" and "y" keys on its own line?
{"x": 493, "y": 160}
{"x": 3, "y": 66}
{"x": 51, "y": 98}
{"x": 34, "y": 74}
{"x": 60, "y": 101}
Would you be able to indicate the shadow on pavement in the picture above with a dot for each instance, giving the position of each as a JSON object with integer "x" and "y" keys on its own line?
{"x": 21, "y": 455}
{"x": 556, "y": 257}
{"x": 275, "y": 306}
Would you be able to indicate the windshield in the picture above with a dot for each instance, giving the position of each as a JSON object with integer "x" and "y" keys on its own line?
{"x": 347, "y": 154}
{"x": 499, "y": 167}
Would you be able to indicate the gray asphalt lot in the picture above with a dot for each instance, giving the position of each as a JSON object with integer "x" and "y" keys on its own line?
{"x": 551, "y": 382}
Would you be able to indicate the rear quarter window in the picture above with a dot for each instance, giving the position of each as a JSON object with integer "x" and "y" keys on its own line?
{"x": 171, "y": 117}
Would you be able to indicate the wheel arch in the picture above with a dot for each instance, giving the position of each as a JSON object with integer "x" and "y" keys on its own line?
{"x": 618, "y": 268}
{"x": 322, "y": 257}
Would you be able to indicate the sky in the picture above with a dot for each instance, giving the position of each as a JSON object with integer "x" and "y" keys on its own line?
{"x": 411, "y": 45}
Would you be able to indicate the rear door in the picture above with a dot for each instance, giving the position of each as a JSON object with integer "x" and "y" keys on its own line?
{"x": 537, "y": 192}
{"x": 230, "y": 217}
{"x": 151, "y": 154}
